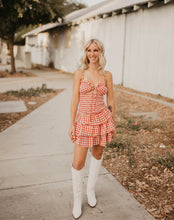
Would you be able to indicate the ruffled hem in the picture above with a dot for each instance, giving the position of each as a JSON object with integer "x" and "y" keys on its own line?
{"x": 94, "y": 129}
{"x": 92, "y": 141}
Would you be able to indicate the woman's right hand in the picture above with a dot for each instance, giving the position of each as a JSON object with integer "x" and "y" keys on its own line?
{"x": 71, "y": 131}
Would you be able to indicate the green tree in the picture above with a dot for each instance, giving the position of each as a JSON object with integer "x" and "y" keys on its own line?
{"x": 73, "y": 5}
{"x": 15, "y": 14}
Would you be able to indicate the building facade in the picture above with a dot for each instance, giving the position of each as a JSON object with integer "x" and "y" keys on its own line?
{"x": 137, "y": 35}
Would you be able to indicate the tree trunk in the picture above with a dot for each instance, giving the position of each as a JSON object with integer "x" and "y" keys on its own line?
{"x": 11, "y": 40}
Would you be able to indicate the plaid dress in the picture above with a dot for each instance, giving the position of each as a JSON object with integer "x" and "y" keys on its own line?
{"x": 94, "y": 123}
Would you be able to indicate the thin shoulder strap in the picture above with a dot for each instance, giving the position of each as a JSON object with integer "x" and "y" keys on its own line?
{"x": 104, "y": 76}
{"x": 85, "y": 75}
{"x": 82, "y": 72}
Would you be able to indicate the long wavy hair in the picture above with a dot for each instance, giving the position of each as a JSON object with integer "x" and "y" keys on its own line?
{"x": 102, "y": 59}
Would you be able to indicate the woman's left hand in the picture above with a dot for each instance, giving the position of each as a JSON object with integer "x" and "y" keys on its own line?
{"x": 113, "y": 134}
{"x": 71, "y": 132}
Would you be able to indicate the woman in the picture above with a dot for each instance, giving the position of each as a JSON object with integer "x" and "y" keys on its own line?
{"x": 94, "y": 125}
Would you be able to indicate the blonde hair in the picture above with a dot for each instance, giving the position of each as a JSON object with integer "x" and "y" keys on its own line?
{"x": 102, "y": 59}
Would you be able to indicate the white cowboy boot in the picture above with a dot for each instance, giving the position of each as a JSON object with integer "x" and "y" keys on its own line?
{"x": 77, "y": 191}
{"x": 92, "y": 179}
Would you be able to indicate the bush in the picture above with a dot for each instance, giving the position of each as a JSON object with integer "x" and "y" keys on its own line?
{"x": 123, "y": 144}
{"x": 30, "y": 92}
{"x": 166, "y": 161}
{"x": 136, "y": 124}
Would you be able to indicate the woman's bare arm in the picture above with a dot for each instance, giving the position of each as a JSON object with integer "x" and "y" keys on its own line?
{"x": 75, "y": 100}
{"x": 110, "y": 94}
{"x": 75, "y": 95}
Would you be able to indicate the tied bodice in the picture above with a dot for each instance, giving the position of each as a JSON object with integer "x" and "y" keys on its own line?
{"x": 87, "y": 87}
{"x": 97, "y": 88}
{"x": 92, "y": 96}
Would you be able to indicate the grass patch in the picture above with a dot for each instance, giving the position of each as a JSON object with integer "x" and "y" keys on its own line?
{"x": 30, "y": 92}
{"x": 166, "y": 161}
{"x": 135, "y": 124}
{"x": 120, "y": 143}
{"x": 123, "y": 144}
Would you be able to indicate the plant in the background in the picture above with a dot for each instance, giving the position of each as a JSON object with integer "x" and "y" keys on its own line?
{"x": 167, "y": 161}
{"x": 30, "y": 92}
{"x": 122, "y": 144}
{"x": 18, "y": 39}
{"x": 15, "y": 14}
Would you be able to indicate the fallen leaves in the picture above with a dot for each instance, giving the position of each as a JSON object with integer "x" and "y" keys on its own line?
{"x": 148, "y": 179}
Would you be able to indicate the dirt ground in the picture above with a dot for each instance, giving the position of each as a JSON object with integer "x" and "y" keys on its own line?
{"x": 7, "y": 119}
{"x": 141, "y": 157}
{"x": 7, "y": 74}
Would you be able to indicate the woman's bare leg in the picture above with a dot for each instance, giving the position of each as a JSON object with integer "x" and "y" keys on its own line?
{"x": 79, "y": 157}
{"x": 97, "y": 152}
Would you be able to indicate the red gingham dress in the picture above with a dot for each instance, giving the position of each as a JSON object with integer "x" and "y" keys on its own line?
{"x": 94, "y": 123}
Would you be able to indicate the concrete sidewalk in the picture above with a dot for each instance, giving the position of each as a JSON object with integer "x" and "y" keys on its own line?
{"x": 35, "y": 167}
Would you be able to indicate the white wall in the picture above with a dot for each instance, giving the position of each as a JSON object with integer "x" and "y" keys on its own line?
{"x": 139, "y": 48}
{"x": 38, "y": 46}
{"x": 67, "y": 59}
{"x": 107, "y": 30}
{"x": 149, "y": 55}
{"x": 147, "y": 63}
{"x": 19, "y": 52}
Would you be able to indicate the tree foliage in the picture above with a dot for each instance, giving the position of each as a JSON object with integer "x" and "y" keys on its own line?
{"x": 73, "y": 5}
{"x": 15, "y": 14}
